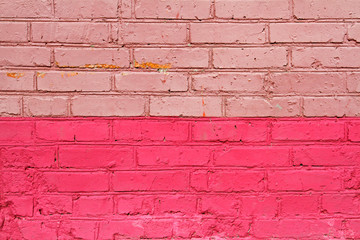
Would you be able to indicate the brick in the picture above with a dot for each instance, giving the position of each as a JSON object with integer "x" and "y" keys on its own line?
{"x": 22, "y": 157}
{"x": 185, "y": 106}
{"x": 233, "y": 131}
{"x": 252, "y": 157}
{"x": 340, "y": 204}
{"x": 188, "y": 9}
{"x": 17, "y": 182}
{"x": 10, "y": 105}
{"x": 228, "y": 181}
{"x": 134, "y": 205}
{"x": 52, "y": 204}
{"x": 227, "y": 33}
{"x": 299, "y": 205}
{"x": 13, "y": 31}
{"x": 17, "y": 81}
{"x": 307, "y": 83}
{"x": 21, "y": 206}
{"x": 262, "y": 107}
{"x": 126, "y": 8}
{"x": 228, "y": 82}
{"x": 93, "y": 206}
{"x": 352, "y": 178}
{"x": 117, "y": 229}
{"x": 308, "y": 131}
{"x": 16, "y": 131}
{"x": 354, "y": 32}
{"x": 257, "y": 9}
{"x": 183, "y": 205}
{"x": 72, "y": 130}
{"x": 154, "y": 33}
{"x": 84, "y": 9}
{"x": 320, "y": 57}
{"x": 327, "y": 156}
{"x": 73, "y": 81}
{"x": 220, "y": 205}
{"x": 108, "y": 106}
{"x": 175, "y": 57}
{"x": 26, "y": 9}
{"x": 310, "y": 9}
{"x": 307, "y": 32}
{"x": 81, "y": 229}
{"x": 354, "y": 131}
{"x": 151, "y": 82}
{"x": 352, "y": 227}
{"x": 259, "y": 206}
{"x": 77, "y": 181}
{"x": 45, "y": 106}
{"x": 24, "y": 56}
{"x": 92, "y": 58}
{"x": 199, "y": 180}
{"x": 353, "y": 82}
{"x": 95, "y": 156}
{"x": 296, "y": 228}
{"x": 151, "y": 181}
{"x": 250, "y": 57}
{"x": 128, "y": 130}
{"x": 40, "y": 229}
{"x": 300, "y": 180}
{"x": 173, "y": 156}
{"x": 331, "y": 106}
{"x": 158, "y": 228}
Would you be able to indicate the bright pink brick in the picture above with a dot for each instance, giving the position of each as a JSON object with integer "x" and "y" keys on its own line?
{"x": 307, "y": 83}
{"x": 128, "y": 130}
{"x": 327, "y": 156}
{"x": 151, "y": 82}
{"x": 24, "y": 56}
{"x": 308, "y": 131}
{"x": 229, "y": 82}
{"x": 53, "y": 204}
{"x": 299, "y": 205}
{"x": 17, "y": 182}
{"x": 113, "y": 229}
{"x": 21, "y": 157}
{"x": 340, "y": 203}
{"x": 151, "y": 181}
{"x": 13, "y": 31}
{"x": 17, "y": 81}
{"x": 259, "y": 206}
{"x": 220, "y": 205}
{"x": 10, "y": 106}
{"x": 21, "y": 205}
{"x": 175, "y": 57}
{"x": 199, "y": 180}
{"x": 77, "y": 181}
{"x": 154, "y": 33}
{"x": 332, "y": 106}
{"x": 233, "y": 131}
{"x": 185, "y": 106}
{"x": 307, "y": 32}
{"x": 185, "y": 9}
{"x": 93, "y": 206}
{"x": 16, "y": 131}
{"x": 354, "y": 131}
{"x": 183, "y": 205}
{"x": 95, "y": 156}
{"x": 173, "y": 156}
{"x": 40, "y": 229}
{"x": 353, "y": 82}
{"x": 250, "y": 57}
{"x": 108, "y": 106}
{"x": 72, "y": 130}
{"x": 352, "y": 179}
{"x": 134, "y": 205}
{"x": 352, "y": 227}
{"x": 227, "y": 33}
{"x": 45, "y": 106}
{"x": 85, "y": 9}
{"x": 236, "y": 181}
{"x": 243, "y": 9}
{"x": 77, "y": 229}
{"x": 252, "y": 157}
{"x": 262, "y": 107}
{"x": 92, "y": 57}
{"x": 301, "y": 180}
{"x": 26, "y": 9}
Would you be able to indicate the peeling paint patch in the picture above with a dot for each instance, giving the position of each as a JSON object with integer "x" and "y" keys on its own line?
{"x": 15, "y": 75}
{"x": 151, "y": 65}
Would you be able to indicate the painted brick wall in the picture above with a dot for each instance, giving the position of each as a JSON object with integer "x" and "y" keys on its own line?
{"x": 190, "y": 119}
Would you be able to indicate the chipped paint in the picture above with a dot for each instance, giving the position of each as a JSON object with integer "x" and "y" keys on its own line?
{"x": 15, "y": 75}
{"x": 151, "y": 65}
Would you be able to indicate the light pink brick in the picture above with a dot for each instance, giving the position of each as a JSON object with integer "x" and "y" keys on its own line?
{"x": 184, "y": 9}
{"x": 126, "y": 8}
{"x": 26, "y": 8}
{"x": 84, "y": 9}
{"x": 331, "y": 106}
{"x": 13, "y": 31}
{"x": 24, "y": 56}
{"x": 354, "y": 32}
{"x": 45, "y": 106}
{"x": 353, "y": 82}
{"x": 73, "y": 81}
{"x": 250, "y": 57}
{"x": 229, "y": 82}
{"x": 70, "y": 32}
{"x": 262, "y": 107}
{"x": 227, "y": 33}
{"x": 10, "y": 105}
{"x": 108, "y": 106}
{"x": 16, "y": 81}
{"x": 151, "y": 82}
{"x": 154, "y": 33}
{"x": 176, "y": 57}
{"x": 185, "y": 106}
{"x": 255, "y": 9}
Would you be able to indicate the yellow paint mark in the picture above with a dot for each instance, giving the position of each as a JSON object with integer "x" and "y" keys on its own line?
{"x": 15, "y": 75}
{"x": 40, "y": 74}
{"x": 145, "y": 65}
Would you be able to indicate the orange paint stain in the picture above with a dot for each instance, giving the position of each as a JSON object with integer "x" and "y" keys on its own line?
{"x": 15, "y": 75}
{"x": 71, "y": 74}
{"x": 40, "y": 74}
{"x": 92, "y": 66}
{"x": 151, "y": 65}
